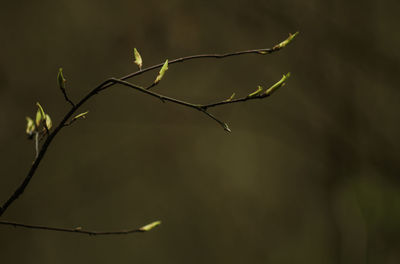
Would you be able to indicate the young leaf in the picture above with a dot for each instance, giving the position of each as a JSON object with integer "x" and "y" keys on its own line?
{"x": 277, "y": 85}
{"x": 40, "y": 115}
{"x": 38, "y": 118}
{"x": 162, "y": 72}
{"x": 40, "y": 108}
{"x": 81, "y": 115}
{"x": 286, "y": 41}
{"x": 60, "y": 79}
{"x": 49, "y": 124}
{"x": 230, "y": 98}
{"x": 150, "y": 226}
{"x": 138, "y": 59}
{"x": 256, "y": 92}
{"x": 30, "y": 126}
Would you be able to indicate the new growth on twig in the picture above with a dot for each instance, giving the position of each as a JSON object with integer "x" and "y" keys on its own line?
{"x": 42, "y": 127}
{"x": 80, "y": 230}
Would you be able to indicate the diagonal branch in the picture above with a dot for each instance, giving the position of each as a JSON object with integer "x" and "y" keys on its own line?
{"x": 164, "y": 98}
{"x": 79, "y": 230}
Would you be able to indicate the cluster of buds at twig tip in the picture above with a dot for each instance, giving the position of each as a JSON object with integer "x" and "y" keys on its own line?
{"x": 42, "y": 123}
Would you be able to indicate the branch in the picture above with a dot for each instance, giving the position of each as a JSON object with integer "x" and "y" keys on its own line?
{"x": 262, "y": 51}
{"x": 259, "y": 94}
{"x": 112, "y": 81}
{"x": 79, "y": 230}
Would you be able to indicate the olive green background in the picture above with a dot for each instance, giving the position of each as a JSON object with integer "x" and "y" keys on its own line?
{"x": 309, "y": 175}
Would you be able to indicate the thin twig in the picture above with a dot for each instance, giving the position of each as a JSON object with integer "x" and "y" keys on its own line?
{"x": 242, "y": 99}
{"x": 164, "y": 98}
{"x": 78, "y": 230}
{"x": 156, "y": 95}
{"x": 66, "y": 96}
{"x": 223, "y": 124}
{"x": 61, "y": 83}
{"x": 263, "y": 51}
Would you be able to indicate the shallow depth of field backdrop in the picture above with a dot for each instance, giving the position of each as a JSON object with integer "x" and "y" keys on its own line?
{"x": 309, "y": 175}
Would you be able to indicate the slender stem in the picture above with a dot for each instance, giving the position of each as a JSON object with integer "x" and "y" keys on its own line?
{"x": 223, "y": 124}
{"x": 78, "y": 230}
{"x": 36, "y": 144}
{"x": 153, "y": 94}
{"x": 66, "y": 97}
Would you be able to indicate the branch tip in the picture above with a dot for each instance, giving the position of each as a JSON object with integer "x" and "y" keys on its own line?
{"x": 286, "y": 41}
{"x": 226, "y": 127}
{"x": 277, "y": 85}
{"x": 150, "y": 226}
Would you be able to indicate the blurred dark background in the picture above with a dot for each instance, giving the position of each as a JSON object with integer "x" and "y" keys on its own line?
{"x": 309, "y": 175}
